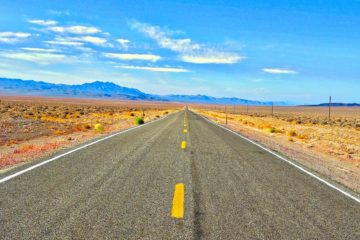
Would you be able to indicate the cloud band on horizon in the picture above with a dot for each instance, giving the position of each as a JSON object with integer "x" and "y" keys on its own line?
{"x": 279, "y": 71}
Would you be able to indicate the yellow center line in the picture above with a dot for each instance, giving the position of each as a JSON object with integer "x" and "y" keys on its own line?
{"x": 177, "y": 210}
{"x": 185, "y": 130}
{"x": 183, "y": 144}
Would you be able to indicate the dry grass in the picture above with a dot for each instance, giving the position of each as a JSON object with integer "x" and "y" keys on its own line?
{"x": 34, "y": 127}
{"x": 330, "y": 147}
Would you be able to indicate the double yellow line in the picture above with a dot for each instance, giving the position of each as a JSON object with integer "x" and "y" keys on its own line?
{"x": 177, "y": 210}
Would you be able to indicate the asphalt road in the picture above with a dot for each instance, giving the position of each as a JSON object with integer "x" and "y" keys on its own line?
{"x": 123, "y": 188}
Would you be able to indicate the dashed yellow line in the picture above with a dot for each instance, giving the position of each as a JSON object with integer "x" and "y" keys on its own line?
{"x": 183, "y": 144}
{"x": 177, "y": 210}
{"x": 185, "y": 130}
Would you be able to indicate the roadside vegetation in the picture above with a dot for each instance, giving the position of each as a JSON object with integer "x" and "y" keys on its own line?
{"x": 31, "y": 128}
{"x": 139, "y": 120}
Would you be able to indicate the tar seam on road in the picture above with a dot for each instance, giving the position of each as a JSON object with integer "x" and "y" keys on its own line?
{"x": 177, "y": 210}
{"x": 286, "y": 160}
{"x": 7, "y": 178}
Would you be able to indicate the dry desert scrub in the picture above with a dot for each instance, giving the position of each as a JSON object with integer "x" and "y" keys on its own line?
{"x": 35, "y": 127}
{"x": 332, "y": 149}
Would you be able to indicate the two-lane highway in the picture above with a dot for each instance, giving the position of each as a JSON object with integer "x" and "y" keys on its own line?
{"x": 129, "y": 187}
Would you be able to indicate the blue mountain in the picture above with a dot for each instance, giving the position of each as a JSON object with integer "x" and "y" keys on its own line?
{"x": 214, "y": 100}
{"x": 109, "y": 90}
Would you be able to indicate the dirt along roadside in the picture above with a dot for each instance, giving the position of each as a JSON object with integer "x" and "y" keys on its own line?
{"x": 38, "y": 128}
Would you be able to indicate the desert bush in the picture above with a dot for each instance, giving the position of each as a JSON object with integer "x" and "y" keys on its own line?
{"x": 303, "y": 136}
{"x": 99, "y": 127}
{"x": 272, "y": 130}
{"x": 139, "y": 121}
{"x": 251, "y": 124}
{"x": 24, "y": 149}
{"x": 264, "y": 126}
{"x": 324, "y": 122}
{"x": 77, "y": 128}
{"x": 291, "y": 133}
{"x": 58, "y": 132}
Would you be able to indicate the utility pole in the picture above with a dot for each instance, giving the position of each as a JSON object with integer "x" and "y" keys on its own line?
{"x": 272, "y": 109}
{"x": 225, "y": 116}
{"x": 329, "y": 108}
{"x": 247, "y": 108}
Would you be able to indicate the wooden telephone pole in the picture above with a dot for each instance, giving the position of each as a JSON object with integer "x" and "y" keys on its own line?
{"x": 329, "y": 108}
{"x": 225, "y": 116}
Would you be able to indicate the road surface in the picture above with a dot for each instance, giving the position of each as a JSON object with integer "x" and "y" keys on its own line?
{"x": 145, "y": 184}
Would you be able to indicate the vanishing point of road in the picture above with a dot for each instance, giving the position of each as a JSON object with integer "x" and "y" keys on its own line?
{"x": 180, "y": 177}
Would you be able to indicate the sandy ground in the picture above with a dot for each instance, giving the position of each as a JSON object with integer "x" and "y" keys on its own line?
{"x": 38, "y": 127}
{"x": 333, "y": 151}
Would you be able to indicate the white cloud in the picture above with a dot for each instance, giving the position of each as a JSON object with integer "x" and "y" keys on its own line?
{"x": 85, "y": 39}
{"x": 40, "y": 58}
{"x": 77, "y": 29}
{"x": 211, "y": 58}
{"x": 64, "y": 43}
{"x": 93, "y": 40}
{"x": 86, "y": 50}
{"x": 162, "y": 38}
{"x": 279, "y": 71}
{"x": 83, "y": 30}
{"x": 57, "y": 29}
{"x": 79, "y": 41}
{"x": 189, "y": 50}
{"x": 155, "y": 69}
{"x": 13, "y": 37}
{"x": 129, "y": 56}
{"x": 47, "y": 50}
{"x": 43, "y": 22}
{"x": 124, "y": 43}
{"x": 14, "y": 34}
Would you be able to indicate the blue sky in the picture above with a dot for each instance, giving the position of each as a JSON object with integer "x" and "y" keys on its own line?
{"x": 298, "y": 51}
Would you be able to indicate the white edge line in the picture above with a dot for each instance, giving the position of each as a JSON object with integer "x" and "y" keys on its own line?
{"x": 286, "y": 160}
{"x": 7, "y": 178}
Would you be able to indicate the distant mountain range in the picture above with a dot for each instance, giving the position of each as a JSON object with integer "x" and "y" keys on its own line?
{"x": 109, "y": 90}
{"x": 334, "y": 105}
